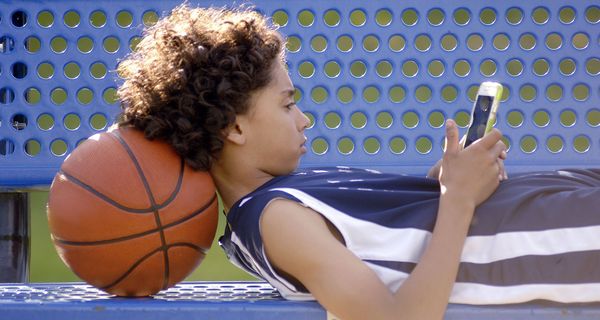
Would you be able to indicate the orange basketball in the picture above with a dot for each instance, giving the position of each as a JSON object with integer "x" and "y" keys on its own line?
{"x": 128, "y": 216}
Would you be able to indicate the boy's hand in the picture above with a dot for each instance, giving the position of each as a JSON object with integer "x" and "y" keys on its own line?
{"x": 434, "y": 171}
{"x": 474, "y": 173}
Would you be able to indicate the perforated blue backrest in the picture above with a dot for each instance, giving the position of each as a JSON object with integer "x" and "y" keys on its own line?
{"x": 378, "y": 78}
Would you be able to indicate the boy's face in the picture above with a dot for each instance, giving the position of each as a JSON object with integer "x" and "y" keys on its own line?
{"x": 274, "y": 126}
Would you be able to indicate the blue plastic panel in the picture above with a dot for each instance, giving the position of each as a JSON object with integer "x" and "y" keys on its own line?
{"x": 222, "y": 301}
{"x": 378, "y": 77}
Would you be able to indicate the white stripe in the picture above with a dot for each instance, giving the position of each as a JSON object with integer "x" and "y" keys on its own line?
{"x": 286, "y": 289}
{"x": 407, "y": 244}
{"x": 485, "y": 249}
{"x": 366, "y": 239}
{"x": 472, "y": 293}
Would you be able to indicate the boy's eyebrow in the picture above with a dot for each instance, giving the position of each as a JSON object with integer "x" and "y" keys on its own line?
{"x": 288, "y": 92}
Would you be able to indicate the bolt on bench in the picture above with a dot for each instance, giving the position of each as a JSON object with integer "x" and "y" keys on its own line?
{"x": 377, "y": 79}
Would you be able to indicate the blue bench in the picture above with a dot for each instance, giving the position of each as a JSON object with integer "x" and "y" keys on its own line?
{"x": 377, "y": 79}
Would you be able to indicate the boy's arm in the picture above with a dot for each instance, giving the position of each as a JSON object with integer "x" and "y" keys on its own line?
{"x": 298, "y": 242}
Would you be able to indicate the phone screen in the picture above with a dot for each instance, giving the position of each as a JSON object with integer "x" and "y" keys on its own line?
{"x": 481, "y": 113}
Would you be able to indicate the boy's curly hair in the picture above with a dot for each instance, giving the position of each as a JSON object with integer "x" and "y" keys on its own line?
{"x": 192, "y": 73}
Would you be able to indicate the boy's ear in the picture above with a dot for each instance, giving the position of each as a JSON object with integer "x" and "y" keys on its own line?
{"x": 235, "y": 133}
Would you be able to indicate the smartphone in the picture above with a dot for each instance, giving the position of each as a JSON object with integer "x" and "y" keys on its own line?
{"x": 483, "y": 115}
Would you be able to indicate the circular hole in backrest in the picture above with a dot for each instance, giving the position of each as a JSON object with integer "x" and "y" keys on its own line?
{"x": 423, "y": 93}
{"x": 449, "y": 42}
{"x": 98, "y": 19}
{"x": 397, "y": 145}
{"x": 475, "y": 42}
{"x": 7, "y": 44}
{"x": 58, "y": 147}
{"x": 19, "y": 121}
{"x": 306, "y": 18}
{"x": 528, "y": 144}
{"x": 370, "y": 94}
{"x": 424, "y": 145}
{"x": 501, "y": 42}
{"x": 410, "y": 68}
{"x": 358, "y": 69}
{"x": 384, "y": 120}
{"x": 423, "y": 42}
{"x": 280, "y": 18}
{"x": 19, "y": 18}
{"x": 332, "y": 69}
{"x": 580, "y": 41}
{"x": 581, "y": 143}
{"x": 435, "y": 68}
{"x": 383, "y": 17}
{"x": 449, "y": 93}
{"x": 384, "y": 68}
{"x": 124, "y": 19}
{"x": 581, "y": 92}
{"x": 555, "y": 144}
{"x": 345, "y": 94}
{"x": 345, "y": 145}
{"x": 58, "y": 44}
{"x": 319, "y": 94}
{"x": 370, "y": 43}
{"x": 487, "y": 16}
{"x": 98, "y": 70}
{"x": 72, "y": 121}
{"x": 358, "y": 18}
{"x": 45, "y": 70}
{"x": 331, "y": 18}
{"x": 554, "y": 92}
{"x": 436, "y": 119}
{"x": 110, "y": 96}
{"x": 462, "y": 118}
{"x": 371, "y": 145}
{"x": 7, "y": 95}
{"x": 85, "y": 44}
{"x": 540, "y": 15}
{"x": 111, "y": 44}
{"x": 58, "y": 96}
{"x": 528, "y": 92}
{"x": 32, "y": 95}
{"x": 7, "y": 147}
{"x": 527, "y": 41}
{"x": 541, "y": 118}
{"x": 461, "y": 16}
{"x": 462, "y": 68}
{"x": 71, "y": 19}
{"x": 293, "y": 44}
{"x": 72, "y": 70}
{"x": 592, "y": 14}
{"x": 435, "y": 17}
{"x": 149, "y": 18}
{"x": 566, "y": 15}
{"x": 45, "y": 19}
{"x": 32, "y": 147}
{"x": 358, "y": 120}
{"x": 514, "y": 67}
{"x": 85, "y": 96}
{"x": 541, "y": 67}
{"x": 397, "y": 94}
{"x": 488, "y": 67}
{"x": 410, "y": 119}
{"x": 592, "y": 66}
{"x": 19, "y": 70}
{"x": 33, "y": 44}
{"x": 98, "y": 121}
{"x": 410, "y": 17}
{"x": 397, "y": 43}
{"x": 568, "y": 118}
{"x": 319, "y": 146}
{"x": 45, "y": 121}
{"x": 318, "y": 43}
{"x": 345, "y": 43}
{"x": 593, "y": 118}
{"x": 332, "y": 120}
{"x": 515, "y": 118}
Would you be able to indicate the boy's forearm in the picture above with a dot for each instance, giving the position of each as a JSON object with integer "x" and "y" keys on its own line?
{"x": 425, "y": 294}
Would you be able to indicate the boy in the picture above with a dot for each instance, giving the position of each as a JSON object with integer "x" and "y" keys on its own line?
{"x": 213, "y": 83}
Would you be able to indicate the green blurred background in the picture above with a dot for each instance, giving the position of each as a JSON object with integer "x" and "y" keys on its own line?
{"x": 46, "y": 266}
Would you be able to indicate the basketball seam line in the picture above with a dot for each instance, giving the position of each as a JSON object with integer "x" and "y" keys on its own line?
{"x": 148, "y": 255}
{"x": 102, "y": 196}
{"x": 141, "y": 234}
{"x": 152, "y": 202}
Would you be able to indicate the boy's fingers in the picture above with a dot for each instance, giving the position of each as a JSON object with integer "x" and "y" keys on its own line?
{"x": 490, "y": 139}
{"x": 452, "y": 145}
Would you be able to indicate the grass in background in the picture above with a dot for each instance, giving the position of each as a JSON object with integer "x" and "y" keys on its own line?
{"x": 46, "y": 266}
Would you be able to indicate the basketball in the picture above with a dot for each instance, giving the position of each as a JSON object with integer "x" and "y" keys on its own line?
{"x": 128, "y": 216}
